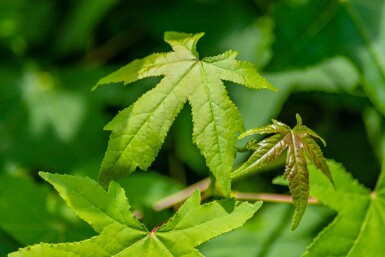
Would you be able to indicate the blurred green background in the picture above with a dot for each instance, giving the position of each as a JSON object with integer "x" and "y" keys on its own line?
{"x": 326, "y": 57}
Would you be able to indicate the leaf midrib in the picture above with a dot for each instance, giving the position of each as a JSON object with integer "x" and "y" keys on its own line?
{"x": 96, "y": 207}
{"x": 112, "y": 167}
{"x": 214, "y": 120}
{"x": 147, "y": 237}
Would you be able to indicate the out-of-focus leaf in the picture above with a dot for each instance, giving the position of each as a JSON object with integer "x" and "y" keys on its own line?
{"x": 280, "y": 180}
{"x": 121, "y": 234}
{"x": 81, "y": 23}
{"x": 231, "y": 18}
{"x": 26, "y": 24}
{"x": 320, "y": 29}
{"x": 299, "y": 145}
{"x": 327, "y": 76}
{"x": 144, "y": 189}
{"x": 147, "y": 188}
{"x": 257, "y": 108}
{"x": 50, "y": 119}
{"x": 187, "y": 152}
{"x": 7, "y": 244}
{"x": 268, "y": 234}
{"x": 253, "y": 42}
{"x": 25, "y": 215}
{"x": 359, "y": 226}
{"x": 375, "y": 127}
{"x": 51, "y": 108}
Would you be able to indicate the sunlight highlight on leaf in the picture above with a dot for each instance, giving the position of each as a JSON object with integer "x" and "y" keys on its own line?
{"x": 299, "y": 145}
{"x": 121, "y": 234}
{"x": 138, "y": 131}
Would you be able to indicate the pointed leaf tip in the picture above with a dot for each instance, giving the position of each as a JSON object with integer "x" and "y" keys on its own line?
{"x": 300, "y": 144}
{"x": 299, "y": 120}
{"x": 187, "y": 40}
{"x": 170, "y": 36}
{"x": 43, "y": 174}
{"x": 139, "y": 131}
{"x": 109, "y": 214}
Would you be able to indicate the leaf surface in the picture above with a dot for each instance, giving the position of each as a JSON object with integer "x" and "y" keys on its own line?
{"x": 121, "y": 234}
{"x": 268, "y": 233}
{"x": 139, "y": 130}
{"x": 324, "y": 28}
{"x": 299, "y": 145}
{"x": 358, "y": 228}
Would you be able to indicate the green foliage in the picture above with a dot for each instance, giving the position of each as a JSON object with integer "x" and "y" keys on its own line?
{"x": 300, "y": 145}
{"x": 359, "y": 225}
{"x": 79, "y": 27}
{"x": 139, "y": 131}
{"x": 121, "y": 234}
{"x": 268, "y": 233}
{"x": 324, "y": 56}
{"x": 35, "y": 222}
{"x": 355, "y": 27}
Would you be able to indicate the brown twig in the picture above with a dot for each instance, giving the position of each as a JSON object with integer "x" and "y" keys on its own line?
{"x": 181, "y": 195}
{"x": 202, "y": 185}
{"x": 277, "y": 198}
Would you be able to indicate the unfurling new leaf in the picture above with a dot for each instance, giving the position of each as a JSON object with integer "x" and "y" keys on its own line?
{"x": 138, "y": 131}
{"x": 122, "y": 235}
{"x": 299, "y": 145}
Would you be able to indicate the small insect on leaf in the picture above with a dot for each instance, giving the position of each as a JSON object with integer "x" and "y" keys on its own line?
{"x": 300, "y": 147}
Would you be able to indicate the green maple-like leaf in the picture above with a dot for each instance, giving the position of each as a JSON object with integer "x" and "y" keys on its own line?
{"x": 121, "y": 234}
{"x": 299, "y": 145}
{"x": 358, "y": 229}
{"x": 139, "y": 131}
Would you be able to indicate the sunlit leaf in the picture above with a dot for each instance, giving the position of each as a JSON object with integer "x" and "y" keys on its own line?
{"x": 358, "y": 228}
{"x": 139, "y": 130}
{"x": 121, "y": 234}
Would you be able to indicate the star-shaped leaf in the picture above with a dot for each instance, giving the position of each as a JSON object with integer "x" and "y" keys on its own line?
{"x": 139, "y": 131}
{"x": 358, "y": 229}
{"x": 299, "y": 145}
{"x": 122, "y": 235}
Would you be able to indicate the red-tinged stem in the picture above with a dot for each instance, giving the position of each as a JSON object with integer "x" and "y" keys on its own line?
{"x": 152, "y": 232}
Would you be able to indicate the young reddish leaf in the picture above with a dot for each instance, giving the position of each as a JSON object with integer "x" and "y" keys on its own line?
{"x": 138, "y": 131}
{"x": 299, "y": 144}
